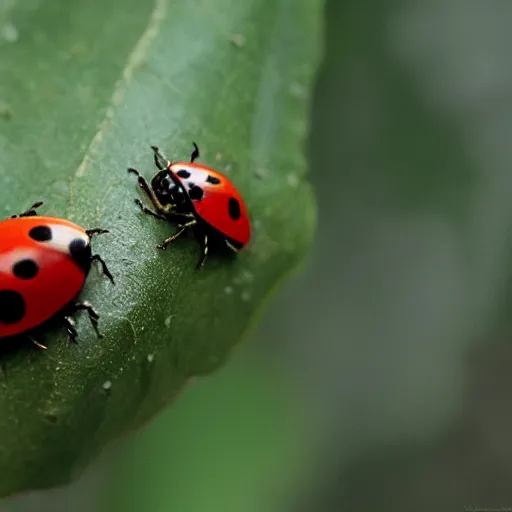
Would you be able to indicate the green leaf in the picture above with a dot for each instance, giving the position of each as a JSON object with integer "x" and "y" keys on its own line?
{"x": 87, "y": 86}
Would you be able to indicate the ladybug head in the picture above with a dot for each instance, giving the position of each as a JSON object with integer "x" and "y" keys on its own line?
{"x": 168, "y": 190}
{"x": 167, "y": 186}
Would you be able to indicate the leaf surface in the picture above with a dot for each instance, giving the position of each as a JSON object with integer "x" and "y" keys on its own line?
{"x": 87, "y": 86}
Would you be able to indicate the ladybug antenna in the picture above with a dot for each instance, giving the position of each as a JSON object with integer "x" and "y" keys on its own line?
{"x": 160, "y": 161}
{"x": 195, "y": 153}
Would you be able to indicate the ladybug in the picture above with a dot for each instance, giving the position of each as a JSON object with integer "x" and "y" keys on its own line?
{"x": 44, "y": 262}
{"x": 196, "y": 197}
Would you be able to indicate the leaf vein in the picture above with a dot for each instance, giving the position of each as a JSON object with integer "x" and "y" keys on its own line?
{"x": 134, "y": 60}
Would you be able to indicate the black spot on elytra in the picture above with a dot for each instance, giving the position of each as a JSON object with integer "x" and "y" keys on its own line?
{"x": 234, "y": 208}
{"x": 183, "y": 173}
{"x": 196, "y": 193}
{"x": 12, "y": 307}
{"x": 212, "y": 179}
{"x": 40, "y": 234}
{"x": 25, "y": 269}
{"x": 80, "y": 251}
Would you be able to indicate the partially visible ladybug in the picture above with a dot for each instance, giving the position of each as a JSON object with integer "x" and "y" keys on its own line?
{"x": 196, "y": 197}
{"x": 44, "y": 262}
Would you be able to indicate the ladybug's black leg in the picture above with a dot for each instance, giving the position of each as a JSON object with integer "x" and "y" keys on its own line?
{"x": 96, "y": 231}
{"x": 36, "y": 343}
{"x": 147, "y": 211}
{"x": 93, "y": 316}
{"x": 70, "y": 328}
{"x": 31, "y": 212}
{"x": 195, "y": 153}
{"x": 184, "y": 216}
{"x": 143, "y": 184}
{"x": 230, "y": 245}
{"x": 181, "y": 230}
{"x": 204, "y": 254}
{"x": 160, "y": 161}
{"x": 105, "y": 270}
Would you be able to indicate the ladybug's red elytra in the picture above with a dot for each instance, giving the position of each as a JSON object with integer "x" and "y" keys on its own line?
{"x": 44, "y": 262}
{"x": 196, "y": 197}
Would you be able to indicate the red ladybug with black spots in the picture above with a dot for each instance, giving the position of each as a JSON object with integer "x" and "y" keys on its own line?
{"x": 196, "y": 197}
{"x": 44, "y": 262}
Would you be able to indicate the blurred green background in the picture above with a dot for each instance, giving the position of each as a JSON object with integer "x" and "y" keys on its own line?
{"x": 380, "y": 378}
